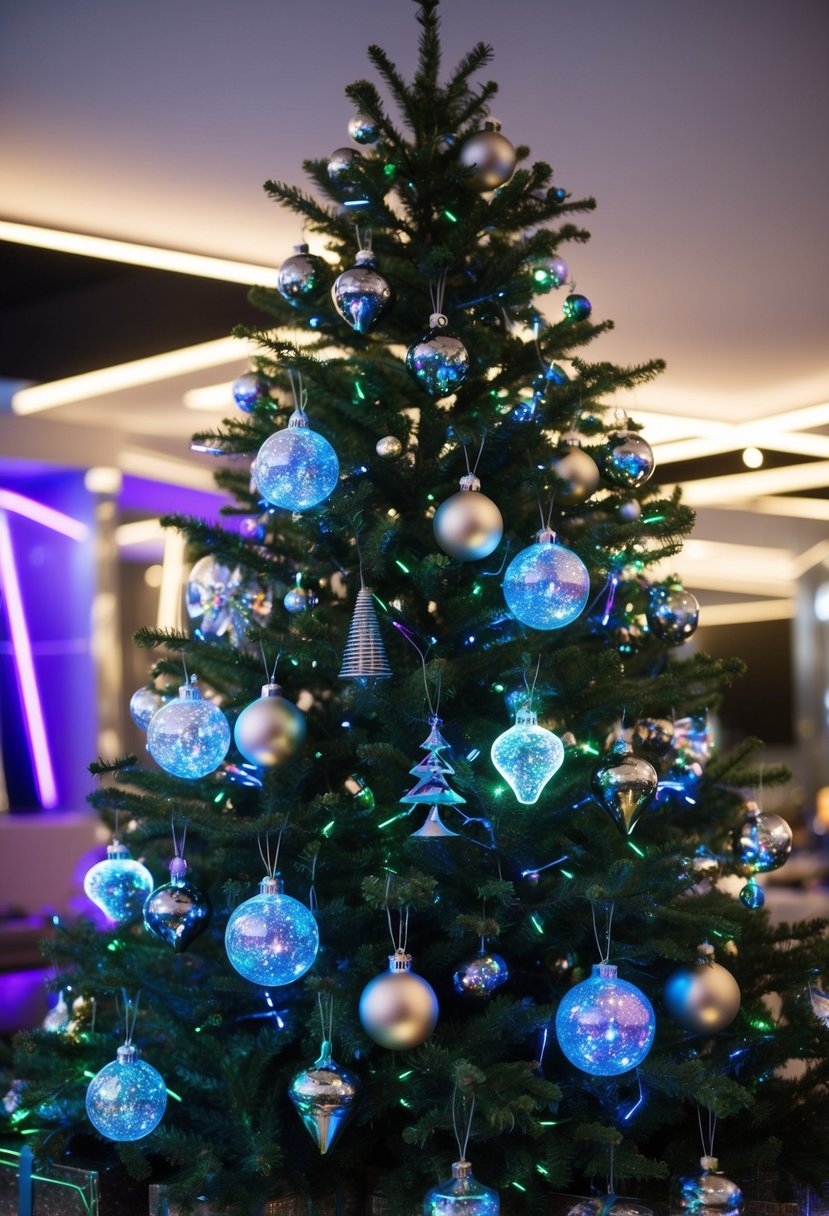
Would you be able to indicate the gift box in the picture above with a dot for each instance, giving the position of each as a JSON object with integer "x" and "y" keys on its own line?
{"x": 28, "y": 1188}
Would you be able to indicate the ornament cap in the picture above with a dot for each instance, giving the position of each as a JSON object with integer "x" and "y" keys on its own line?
{"x": 298, "y": 420}
{"x": 177, "y": 868}
{"x": 301, "y": 248}
{"x": 438, "y": 321}
{"x": 545, "y": 536}
{"x": 526, "y": 717}
{"x": 189, "y": 692}
{"x": 127, "y": 1054}
{"x": 622, "y": 748}
{"x": 326, "y": 1054}
{"x": 470, "y": 482}
{"x": 400, "y": 961}
{"x": 271, "y": 885}
{"x": 365, "y": 257}
{"x": 605, "y": 971}
{"x": 705, "y": 953}
{"x": 271, "y": 689}
{"x": 461, "y": 1169}
{"x": 492, "y": 124}
{"x": 117, "y": 851}
{"x": 709, "y": 1163}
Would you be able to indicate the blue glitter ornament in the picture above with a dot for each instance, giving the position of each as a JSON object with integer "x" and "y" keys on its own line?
{"x": 527, "y": 755}
{"x": 461, "y": 1195}
{"x": 144, "y": 702}
{"x": 481, "y": 975}
{"x": 296, "y": 468}
{"x": 247, "y": 390}
{"x": 119, "y": 885}
{"x": 604, "y": 1025}
{"x": 126, "y": 1100}
{"x": 545, "y": 585}
{"x": 438, "y": 361}
{"x": 752, "y": 895}
{"x": 272, "y": 939}
{"x": 188, "y": 737}
{"x": 576, "y": 307}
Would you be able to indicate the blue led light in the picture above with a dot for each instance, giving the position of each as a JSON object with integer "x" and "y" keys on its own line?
{"x": 545, "y": 585}
{"x": 296, "y": 468}
{"x": 272, "y": 939}
{"x": 127, "y": 1098}
{"x": 188, "y": 737}
{"x": 604, "y": 1025}
{"x": 527, "y": 755}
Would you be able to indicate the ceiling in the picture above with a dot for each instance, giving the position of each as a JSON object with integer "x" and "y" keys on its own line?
{"x": 701, "y": 130}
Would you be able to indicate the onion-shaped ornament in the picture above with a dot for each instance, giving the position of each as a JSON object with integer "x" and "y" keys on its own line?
{"x": 604, "y": 1025}
{"x": 490, "y": 156}
{"x": 439, "y": 361}
{"x": 270, "y": 730}
{"x": 272, "y": 939}
{"x": 399, "y": 1009}
{"x": 704, "y": 998}
{"x": 624, "y": 784}
{"x": 119, "y": 885}
{"x": 300, "y": 276}
{"x": 708, "y": 1192}
{"x": 177, "y": 912}
{"x": 468, "y": 525}
{"x": 296, "y": 468}
{"x": 628, "y": 460}
{"x": 324, "y": 1096}
{"x": 545, "y": 585}
{"x": 248, "y": 389}
{"x": 188, "y": 737}
{"x": 673, "y": 612}
{"x": 126, "y": 1100}
{"x": 361, "y": 295}
{"x": 527, "y": 756}
{"x": 763, "y": 841}
{"x": 461, "y": 1195}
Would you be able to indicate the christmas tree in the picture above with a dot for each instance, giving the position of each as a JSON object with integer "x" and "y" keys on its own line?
{"x": 440, "y": 569}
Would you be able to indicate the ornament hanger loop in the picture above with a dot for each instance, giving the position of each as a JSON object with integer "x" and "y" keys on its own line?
{"x": 364, "y": 239}
{"x": 531, "y": 687}
{"x": 437, "y": 291}
{"x": 266, "y": 853}
{"x": 463, "y": 1144}
{"x": 604, "y": 955}
{"x": 409, "y": 636}
{"x": 313, "y": 902}
{"x": 326, "y": 1010}
{"x": 298, "y": 392}
{"x": 178, "y": 842}
{"x": 471, "y": 472}
{"x": 130, "y": 1014}
{"x": 271, "y": 676}
{"x": 402, "y": 940}
{"x": 707, "y": 1145}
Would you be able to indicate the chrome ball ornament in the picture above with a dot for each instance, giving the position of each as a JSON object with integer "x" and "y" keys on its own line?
{"x": 439, "y": 361}
{"x": 269, "y": 730}
{"x": 389, "y": 447}
{"x": 398, "y": 1009}
{"x": 468, "y": 525}
{"x": 300, "y": 275}
{"x": 627, "y": 460}
{"x": 763, "y": 841}
{"x": 490, "y": 156}
{"x": 704, "y": 998}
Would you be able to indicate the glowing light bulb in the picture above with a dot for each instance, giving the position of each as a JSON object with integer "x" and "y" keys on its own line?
{"x": 527, "y": 756}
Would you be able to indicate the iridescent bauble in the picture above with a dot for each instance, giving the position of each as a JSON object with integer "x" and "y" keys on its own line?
{"x": 752, "y": 895}
{"x": 361, "y": 295}
{"x": 629, "y": 511}
{"x": 461, "y": 1195}
{"x": 248, "y": 388}
{"x": 656, "y": 734}
{"x": 672, "y": 613}
{"x": 324, "y": 1096}
{"x": 709, "y": 1192}
{"x": 468, "y": 525}
{"x": 363, "y": 130}
{"x": 624, "y": 784}
{"x": 296, "y": 468}
{"x": 272, "y": 939}
{"x": 575, "y": 476}
{"x": 342, "y": 164}
{"x": 438, "y": 361}
{"x": 481, "y": 975}
{"x": 252, "y": 528}
{"x": 126, "y": 1100}
{"x": 189, "y": 737}
{"x": 628, "y": 460}
{"x": 527, "y": 756}
{"x": 270, "y": 730}
{"x": 58, "y": 1017}
{"x": 490, "y": 155}
{"x": 576, "y": 307}
{"x": 118, "y": 885}
{"x": 300, "y": 275}
{"x": 177, "y": 912}
{"x": 145, "y": 702}
{"x": 398, "y": 1009}
{"x": 704, "y": 998}
{"x": 763, "y": 840}
{"x": 604, "y": 1025}
{"x": 545, "y": 585}
{"x": 389, "y": 447}
{"x": 549, "y": 272}
{"x": 296, "y": 600}
{"x": 225, "y": 601}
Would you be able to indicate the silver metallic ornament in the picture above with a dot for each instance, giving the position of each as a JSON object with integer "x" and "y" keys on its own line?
{"x": 299, "y": 276}
{"x": 363, "y": 130}
{"x": 468, "y": 525}
{"x": 144, "y": 702}
{"x": 628, "y": 460}
{"x": 364, "y": 657}
{"x": 177, "y": 912}
{"x": 704, "y": 998}
{"x": 624, "y": 784}
{"x": 709, "y": 1192}
{"x": 672, "y": 612}
{"x": 654, "y": 733}
{"x": 361, "y": 295}
{"x": 225, "y": 601}
{"x": 629, "y": 511}
{"x": 270, "y": 730}
{"x": 248, "y": 388}
{"x": 341, "y": 165}
{"x": 461, "y": 1195}
{"x": 324, "y": 1096}
{"x": 482, "y": 975}
{"x": 575, "y": 476}
{"x": 389, "y": 447}
{"x": 763, "y": 840}
{"x": 398, "y": 1009}
{"x": 491, "y": 155}
{"x": 439, "y": 361}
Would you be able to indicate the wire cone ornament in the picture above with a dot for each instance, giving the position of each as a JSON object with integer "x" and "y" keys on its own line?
{"x": 365, "y": 654}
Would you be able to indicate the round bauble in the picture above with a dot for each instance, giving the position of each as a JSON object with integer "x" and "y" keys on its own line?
{"x": 118, "y": 885}
{"x": 296, "y": 468}
{"x": 549, "y": 272}
{"x": 248, "y": 389}
{"x": 189, "y": 737}
{"x": 177, "y": 912}
{"x": 709, "y": 1192}
{"x": 363, "y": 130}
{"x": 270, "y": 730}
{"x": 389, "y": 447}
{"x": 624, "y": 784}
{"x": 656, "y": 734}
{"x": 461, "y": 1195}
{"x": 296, "y": 600}
{"x": 704, "y": 998}
{"x": 361, "y": 295}
{"x": 252, "y": 527}
{"x": 628, "y": 460}
{"x": 576, "y": 307}
{"x": 490, "y": 155}
{"x": 607, "y": 1205}
{"x": 439, "y": 361}
{"x": 300, "y": 275}
{"x": 575, "y": 476}
{"x": 468, "y": 525}
{"x": 763, "y": 840}
{"x": 324, "y": 1096}
{"x": 126, "y": 1100}
{"x": 604, "y": 1025}
{"x": 342, "y": 164}
{"x": 398, "y": 1009}
{"x": 629, "y": 511}
{"x": 272, "y": 939}
{"x": 481, "y": 975}
{"x": 145, "y": 702}
{"x": 545, "y": 585}
{"x": 752, "y": 895}
{"x": 673, "y": 613}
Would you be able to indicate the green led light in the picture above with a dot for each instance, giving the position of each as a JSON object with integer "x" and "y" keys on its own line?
{"x": 542, "y": 276}
{"x": 499, "y": 791}
{"x": 518, "y": 1186}
{"x": 393, "y": 819}
{"x": 89, "y": 1074}
{"x": 716, "y": 933}
{"x": 635, "y": 848}
{"x": 174, "y": 1095}
{"x": 358, "y": 391}
{"x": 430, "y": 498}
{"x": 402, "y": 566}
{"x": 542, "y": 1169}
{"x": 317, "y": 755}
{"x": 329, "y": 828}
{"x": 452, "y": 218}
{"x": 30, "y": 1131}
{"x": 406, "y": 1103}
{"x": 586, "y": 747}
{"x": 760, "y": 1024}
{"x": 19, "y": 1116}
{"x": 295, "y": 662}
{"x": 549, "y": 1123}
{"x": 389, "y": 169}
{"x": 385, "y": 608}
{"x": 218, "y": 797}
{"x": 477, "y": 589}
{"x": 653, "y": 519}
{"x": 497, "y": 688}
{"x": 115, "y": 945}
{"x": 566, "y": 873}
{"x": 538, "y": 925}
{"x": 403, "y": 1075}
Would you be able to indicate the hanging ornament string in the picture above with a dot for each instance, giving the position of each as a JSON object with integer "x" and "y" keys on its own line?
{"x": 604, "y": 955}
{"x": 531, "y": 687}
{"x": 270, "y": 676}
{"x": 409, "y": 636}
{"x": 298, "y": 392}
{"x": 129, "y": 1013}
{"x": 707, "y": 1145}
{"x": 178, "y": 843}
{"x": 400, "y": 943}
{"x": 265, "y": 853}
{"x": 471, "y": 472}
{"x": 437, "y": 291}
{"x": 364, "y": 239}
{"x": 326, "y": 1012}
{"x": 462, "y": 1143}
{"x": 313, "y": 902}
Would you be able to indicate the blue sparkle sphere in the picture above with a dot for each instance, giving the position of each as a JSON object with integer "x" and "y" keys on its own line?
{"x": 461, "y": 1195}
{"x": 272, "y": 939}
{"x": 296, "y": 468}
{"x": 546, "y": 586}
{"x": 188, "y": 737}
{"x": 247, "y": 390}
{"x": 604, "y": 1025}
{"x": 119, "y": 885}
{"x": 127, "y": 1098}
{"x": 527, "y": 756}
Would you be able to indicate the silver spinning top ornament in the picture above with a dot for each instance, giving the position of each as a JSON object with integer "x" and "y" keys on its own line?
{"x": 324, "y": 1096}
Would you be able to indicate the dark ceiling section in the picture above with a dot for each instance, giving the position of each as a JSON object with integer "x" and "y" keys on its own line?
{"x": 725, "y": 464}
{"x": 61, "y": 314}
